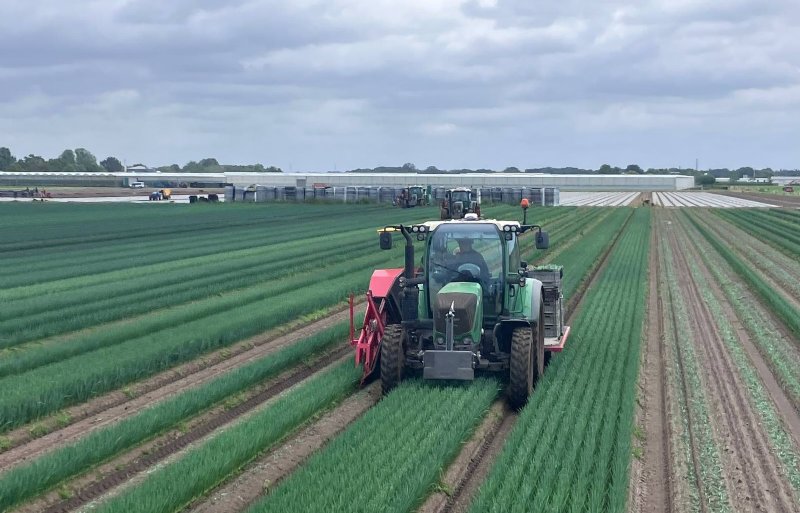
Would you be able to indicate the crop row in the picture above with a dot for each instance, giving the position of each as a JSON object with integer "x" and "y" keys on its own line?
{"x": 26, "y": 481}
{"x": 768, "y": 228}
{"x": 571, "y": 447}
{"x": 56, "y": 264}
{"x": 122, "y": 357}
{"x": 389, "y": 459}
{"x": 63, "y": 313}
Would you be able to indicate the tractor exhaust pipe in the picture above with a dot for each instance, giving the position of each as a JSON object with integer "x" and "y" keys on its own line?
{"x": 410, "y": 299}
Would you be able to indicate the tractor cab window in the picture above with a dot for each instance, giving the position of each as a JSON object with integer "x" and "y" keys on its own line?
{"x": 466, "y": 252}
{"x": 462, "y": 196}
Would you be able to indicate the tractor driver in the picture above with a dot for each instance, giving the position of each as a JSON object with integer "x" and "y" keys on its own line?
{"x": 466, "y": 254}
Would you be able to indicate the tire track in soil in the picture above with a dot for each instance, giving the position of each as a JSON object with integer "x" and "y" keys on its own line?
{"x": 751, "y": 470}
{"x": 485, "y": 445}
{"x": 115, "y": 406}
{"x": 653, "y": 490}
{"x": 269, "y": 470}
{"x": 122, "y": 473}
{"x": 785, "y": 407}
{"x": 673, "y": 316}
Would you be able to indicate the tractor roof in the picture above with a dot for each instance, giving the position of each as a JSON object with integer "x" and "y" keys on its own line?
{"x": 432, "y": 225}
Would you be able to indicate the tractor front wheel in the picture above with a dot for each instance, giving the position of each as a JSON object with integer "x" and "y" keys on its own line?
{"x": 392, "y": 357}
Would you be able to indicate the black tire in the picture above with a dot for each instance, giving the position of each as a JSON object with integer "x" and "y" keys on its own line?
{"x": 392, "y": 357}
{"x": 520, "y": 382}
{"x": 527, "y": 361}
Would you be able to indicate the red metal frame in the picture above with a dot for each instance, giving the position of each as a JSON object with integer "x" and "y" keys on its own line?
{"x": 368, "y": 343}
{"x": 560, "y": 346}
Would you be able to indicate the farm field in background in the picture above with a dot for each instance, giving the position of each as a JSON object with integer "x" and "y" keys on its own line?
{"x": 196, "y": 358}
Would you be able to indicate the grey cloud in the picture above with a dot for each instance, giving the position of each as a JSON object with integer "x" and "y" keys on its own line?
{"x": 454, "y": 83}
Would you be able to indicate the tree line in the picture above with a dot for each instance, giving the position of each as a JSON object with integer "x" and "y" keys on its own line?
{"x": 81, "y": 160}
{"x": 605, "y": 169}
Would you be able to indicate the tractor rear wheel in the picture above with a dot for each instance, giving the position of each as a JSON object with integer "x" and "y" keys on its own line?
{"x": 392, "y": 357}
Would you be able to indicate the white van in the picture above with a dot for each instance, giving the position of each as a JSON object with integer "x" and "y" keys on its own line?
{"x": 137, "y": 185}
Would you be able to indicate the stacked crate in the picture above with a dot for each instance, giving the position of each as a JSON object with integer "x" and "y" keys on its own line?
{"x": 550, "y": 276}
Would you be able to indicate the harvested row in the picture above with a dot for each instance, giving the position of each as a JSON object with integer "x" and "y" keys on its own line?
{"x": 785, "y": 309}
{"x": 570, "y": 449}
{"x": 735, "y": 439}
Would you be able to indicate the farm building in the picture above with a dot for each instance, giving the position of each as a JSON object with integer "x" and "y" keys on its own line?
{"x": 528, "y": 180}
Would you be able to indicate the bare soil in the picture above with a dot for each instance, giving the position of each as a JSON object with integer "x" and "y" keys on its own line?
{"x": 651, "y": 478}
{"x": 751, "y": 470}
{"x": 117, "y": 405}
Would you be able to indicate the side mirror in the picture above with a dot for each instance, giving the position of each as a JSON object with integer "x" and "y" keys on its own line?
{"x": 386, "y": 240}
{"x": 542, "y": 240}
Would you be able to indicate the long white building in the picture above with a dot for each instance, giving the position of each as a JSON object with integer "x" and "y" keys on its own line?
{"x": 563, "y": 182}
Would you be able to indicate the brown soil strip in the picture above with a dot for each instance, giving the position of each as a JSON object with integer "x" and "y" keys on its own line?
{"x": 118, "y": 405}
{"x": 466, "y": 473}
{"x": 774, "y": 199}
{"x": 672, "y": 316}
{"x": 750, "y": 470}
{"x": 651, "y": 480}
{"x": 121, "y": 473}
{"x": 266, "y": 472}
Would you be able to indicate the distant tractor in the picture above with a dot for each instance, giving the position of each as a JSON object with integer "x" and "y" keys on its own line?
{"x": 459, "y": 202}
{"x": 412, "y": 196}
{"x": 472, "y": 306}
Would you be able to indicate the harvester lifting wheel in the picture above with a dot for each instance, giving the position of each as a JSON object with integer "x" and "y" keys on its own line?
{"x": 527, "y": 361}
{"x": 392, "y": 357}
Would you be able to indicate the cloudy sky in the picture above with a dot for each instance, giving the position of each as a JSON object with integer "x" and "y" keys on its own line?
{"x": 335, "y": 84}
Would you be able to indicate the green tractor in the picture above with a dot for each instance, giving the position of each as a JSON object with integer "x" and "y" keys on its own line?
{"x": 459, "y": 202}
{"x": 412, "y": 196}
{"x": 472, "y": 306}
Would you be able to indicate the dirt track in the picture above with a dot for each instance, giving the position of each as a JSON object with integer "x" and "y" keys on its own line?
{"x": 774, "y": 199}
{"x": 753, "y": 479}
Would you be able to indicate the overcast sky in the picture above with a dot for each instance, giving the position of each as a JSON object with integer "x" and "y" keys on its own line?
{"x": 315, "y": 85}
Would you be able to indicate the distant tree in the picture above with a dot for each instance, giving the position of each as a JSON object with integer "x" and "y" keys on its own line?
{"x": 112, "y": 165}
{"x": 34, "y": 164}
{"x": 273, "y": 169}
{"x": 705, "y": 179}
{"x": 605, "y": 169}
{"x": 86, "y": 161}
{"x": 634, "y": 168}
{"x": 209, "y": 163}
{"x": 511, "y": 169}
{"x": 6, "y": 158}
{"x": 408, "y": 166}
{"x": 432, "y": 169}
{"x": 67, "y": 157}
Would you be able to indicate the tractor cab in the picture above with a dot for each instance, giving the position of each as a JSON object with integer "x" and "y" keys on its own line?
{"x": 459, "y": 202}
{"x": 470, "y": 306}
